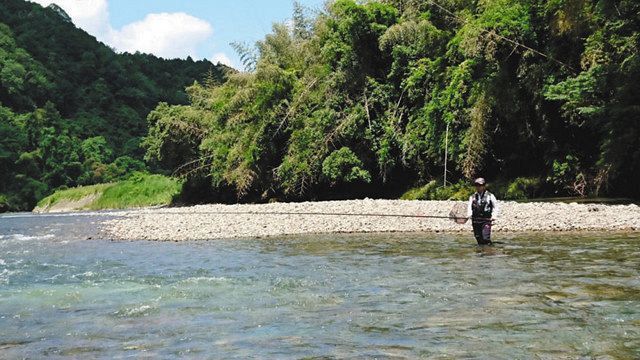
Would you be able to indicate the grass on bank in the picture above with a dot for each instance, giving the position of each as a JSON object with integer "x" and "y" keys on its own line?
{"x": 72, "y": 194}
{"x": 139, "y": 190}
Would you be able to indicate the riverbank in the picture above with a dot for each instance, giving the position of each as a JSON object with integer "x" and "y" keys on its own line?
{"x": 209, "y": 222}
{"x": 138, "y": 191}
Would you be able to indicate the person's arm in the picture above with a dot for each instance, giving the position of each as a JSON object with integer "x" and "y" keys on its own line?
{"x": 470, "y": 207}
{"x": 496, "y": 208}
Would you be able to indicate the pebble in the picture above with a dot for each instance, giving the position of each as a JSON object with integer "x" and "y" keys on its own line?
{"x": 208, "y": 222}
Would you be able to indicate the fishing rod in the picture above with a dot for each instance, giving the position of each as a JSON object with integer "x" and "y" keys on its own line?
{"x": 455, "y": 218}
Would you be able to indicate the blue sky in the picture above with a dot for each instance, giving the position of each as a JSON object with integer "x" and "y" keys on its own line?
{"x": 175, "y": 28}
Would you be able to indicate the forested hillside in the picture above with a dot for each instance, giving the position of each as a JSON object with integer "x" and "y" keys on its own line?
{"x": 72, "y": 111}
{"x": 363, "y": 99}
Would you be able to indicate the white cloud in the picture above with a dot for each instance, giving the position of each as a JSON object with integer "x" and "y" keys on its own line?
{"x": 221, "y": 58}
{"x": 169, "y": 35}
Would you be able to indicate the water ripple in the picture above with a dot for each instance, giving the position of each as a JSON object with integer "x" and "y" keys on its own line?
{"x": 325, "y": 296}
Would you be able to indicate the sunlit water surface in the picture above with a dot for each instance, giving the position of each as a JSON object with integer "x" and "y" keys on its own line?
{"x": 536, "y": 296}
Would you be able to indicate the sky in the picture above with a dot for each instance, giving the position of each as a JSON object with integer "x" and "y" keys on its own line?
{"x": 180, "y": 28}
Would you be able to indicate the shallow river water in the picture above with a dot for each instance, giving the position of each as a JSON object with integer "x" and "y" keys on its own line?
{"x": 535, "y": 296}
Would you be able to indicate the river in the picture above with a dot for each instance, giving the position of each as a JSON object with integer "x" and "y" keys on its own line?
{"x": 535, "y": 296}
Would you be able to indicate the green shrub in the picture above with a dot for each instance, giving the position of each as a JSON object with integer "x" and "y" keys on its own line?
{"x": 4, "y": 203}
{"x": 565, "y": 173}
{"x": 344, "y": 166}
{"x": 522, "y": 188}
{"x": 458, "y": 191}
{"x": 420, "y": 193}
{"x": 431, "y": 191}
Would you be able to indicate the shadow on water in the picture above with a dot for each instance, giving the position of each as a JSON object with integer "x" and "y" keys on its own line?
{"x": 334, "y": 296}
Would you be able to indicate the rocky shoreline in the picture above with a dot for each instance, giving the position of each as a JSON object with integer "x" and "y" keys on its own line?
{"x": 210, "y": 222}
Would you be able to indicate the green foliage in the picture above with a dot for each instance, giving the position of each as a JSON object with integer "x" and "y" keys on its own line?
{"x": 421, "y": 192}
{"x": 5, "y": 204}
{"x": 564, "y": 171}
{"x": 247, "y": 54}
{"x": 568, "y": 175}
{"x": 459, "y": 191}
{"x": 72, "y": 194}
{"x": 126, "y": 165}
{"x": 139, "y": 190}
{"x": 343, "y": 166}
{"x": 522, "y": 188}
{"x": 96, "y": 150}
{"x": 175, "y": 134}
{"x": 365, "y": 92}
{"x": 602, "y": 97}
{"x": 357, "y": 98}
{"x": 23, "y": 81}
{"x": 432, "y": 191}
{"x": 70, "y": 105}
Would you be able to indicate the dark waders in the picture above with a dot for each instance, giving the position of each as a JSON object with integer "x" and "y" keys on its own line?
{"x": 482, "y": 231}
{"x": 482, "y": 207}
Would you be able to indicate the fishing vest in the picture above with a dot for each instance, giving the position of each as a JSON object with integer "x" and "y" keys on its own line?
{"x": 481, "y": 206}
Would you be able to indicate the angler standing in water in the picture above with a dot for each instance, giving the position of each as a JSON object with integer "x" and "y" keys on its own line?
{"x": 483, "y": 210}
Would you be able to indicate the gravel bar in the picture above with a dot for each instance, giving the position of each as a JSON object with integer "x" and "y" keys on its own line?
{"x": 209, "y": 222}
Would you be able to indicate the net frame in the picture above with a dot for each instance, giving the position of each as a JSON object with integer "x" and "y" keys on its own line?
{"x": 459, "y": 213}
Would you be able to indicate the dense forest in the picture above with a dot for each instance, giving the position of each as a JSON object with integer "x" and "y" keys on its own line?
{"x": 72, "y": 111}
{"x": 373, "y": 98}
{"x": 368, "y": 98}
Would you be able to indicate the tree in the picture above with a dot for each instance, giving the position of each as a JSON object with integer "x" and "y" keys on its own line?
{"x": 69, "y": 104}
